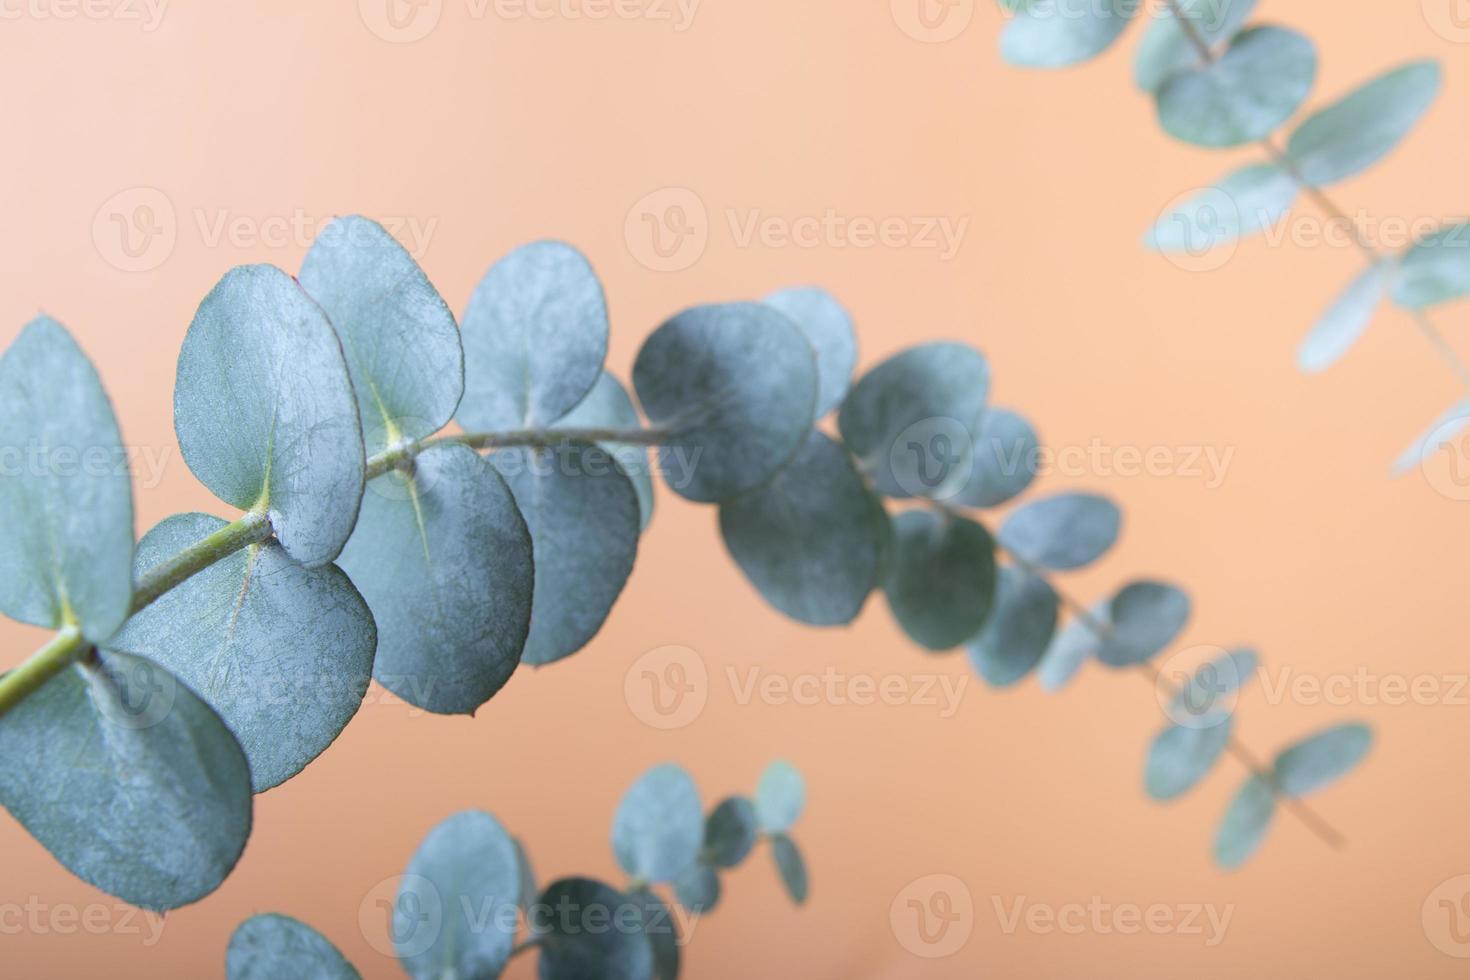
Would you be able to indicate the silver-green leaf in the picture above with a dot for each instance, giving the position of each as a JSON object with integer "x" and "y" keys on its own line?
{"x": 1145, "y": 618}
{"x": 698, "y": 888}
{"x": 1322, "y": 759}
{"x": 1445, "y": 429}
{"x": 1062, "y": 532}
{"x": 1058, "y": 33}
{"x": 659, "y": 825}
{"x": 1243, "y": 202}
{"x": 1245, "y": 824}
{"x": 1261, "y": 79}
{"x": 730, "y": 832}
{"x": 1072, "y": 646}
{"x": 1342, "y": 325}
{"x": 941, "y": 581}
{"x": 271, "y": 947}
{"x": 1435, "y": 270}
{"x": 780, "y": 796}
{"x": 828, "y": 328}
{"x": 1351, "y": 135}
{"x": 1167, "y": 48}
{"x": 1182, "y": 755}
{"x": 1018, "y": 632}
{"x": 791, "y": 867}
{"x": 1006, "y": 460}
{"x": 1206, "y": 695}
{"x": 608, "y": 406}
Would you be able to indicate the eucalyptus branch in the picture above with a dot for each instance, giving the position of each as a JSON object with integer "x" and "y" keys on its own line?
{"x": 63, "y": 650}
{"x": 404, "y": 452}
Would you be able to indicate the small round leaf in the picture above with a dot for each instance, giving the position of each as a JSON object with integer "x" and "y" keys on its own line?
{"x": 586, "y": 929}
{"x": 659, "y": 825}
{"x": 828, "y": 328}
{"x": 1145, "y": 617}
{"x": 1182, "y": 755}
{"x": 941, "y": 580}
{"x": 730, "y": 832}
{"x": 780, "y": 796}
{"x": 1166, "y": 48}
{"x": 1018, "y": 632}
{"x": 270, "y": 947}
{"x": 1063, "y": 532}
{"x": 1005, "y": 460}
{"x": 698, "y": 888}
{"x": 1261, "y": 79}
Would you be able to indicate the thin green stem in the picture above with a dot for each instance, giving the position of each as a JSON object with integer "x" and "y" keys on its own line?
{"x": 252, "y": 528}
{"x": 65, "y": 649}
{"x": 404, "y": 452}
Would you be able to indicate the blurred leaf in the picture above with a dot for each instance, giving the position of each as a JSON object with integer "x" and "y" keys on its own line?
{"x": 284, "y": 653}
{"x": 1322, "y": 759}
{"x": 730, "y": 832}
{"x": 400, "y": 340}
{"x": 1261, "y": 79}
{"x": 577, "y": 942}
{"x": 735, "y": 385}
{"x": 1442, "y": 432}
{"x": 1353, "y": 134}
{"x": 1145, "y": 617}
{"x": 444, "y": 560}
{"x": 828, "y": 327}
{"x": 1242, "y": 203}
{"x": 526, "y": 894}
{"x": 607, "y": 406}
{"x": 265, "y": 412}
{"x": 698, "y": 889}
{"x": 67, "y": 550}
{"x": 1018, "y": 632}
{"x": 1058, "y": 33}
{"x": 1075, "y": 644}
{"x": 780, "y": 796}
{"x": 1245, "y": 824}
{"x": 659, "y": 826}
{"x": 1201, "y": 695}
{"x": 1167, "y": 49}
{"x": 272, "y": 947}
{"x": 791, "y": 867}
{"x": 1062, "y": 532}
{"x": 535, "y": 337}
{"x": 1182, "y": 755}
{"x": 1005, "y": 460}
{"x": 942, "y": 578}
{"x": 662, "y": 931}
{"x": 1436, "y": 270}
{"x": 129, "y": 780}
{"x": 1342, "y": 325}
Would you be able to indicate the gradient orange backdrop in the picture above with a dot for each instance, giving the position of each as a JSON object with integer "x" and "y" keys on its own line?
{"x": 243, "y": 126}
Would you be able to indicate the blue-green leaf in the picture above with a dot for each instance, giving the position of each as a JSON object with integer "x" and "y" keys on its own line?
{"x": 1356, "y": 132}
{"x": 828, "y": 328}
{"x": 454, "y": 913}
{"x": 272, "y": 947}
{"x": 1166, "y": 48}
{"x": 129, "y": 779}
{"x": 582, "y": 512}
{"x": 662, "y": 931}
{"x": 1182, "y": 755}
{"x": 730, "y": 832}
{"x": 659, "y": 825}
{"x": 1018, "y": 632}
{"x": 1062, "y": 532}
{"x": 1342, "y": 325}
{"x": 735, "y": 386}
{"x": 1261, "y": 79}
{"x": 1072, "y": 646}
{"x": 1145, "y": 618}
{"x": 582, "y": 930}
{"x": 265, "y": 412}
{"x": 535, "y": 337}
{"x": 1057, "y": 33}
{"x": 809, "y": 539}
{"x": 1240, "y": 204}
{"x": 1005, "y": 460}
{"x": 780, "y": 796}
{"x": 912, "y": 420}
{"x": 1442, "y": 432}
{"x": 791, "y": 867}
{"x": 1436, "y": 270}
{"x": 941, "y": 581}
{"x": 1322, "y": 759}
{"x": 607, "y": 406}
{"x": 1246, "y": 821}
{"x": 400, "y": 340}
{"x": 67, "y": 550}
{"x": 1206, "y": 695}
{"x": 284, "y": 653}
{"x": 698, "y": 888}
{"x": 526, "y": 895}
{"x": 444, "y": 560}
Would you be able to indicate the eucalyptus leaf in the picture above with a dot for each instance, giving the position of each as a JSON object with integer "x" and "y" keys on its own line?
{"x": 809, "y": 540}
{"x": 1005, "y": 460}
{"x": 1058, "y": 33}
{"x": 912, "y": 420}
{"x": 588, "y": 931}
{"x": 1321, "y": 760}
{"x": 1145, "y": 618}
{"x": 662, "y": 931}
{"x": 828, "y": 328}
{"x": 941, "y": 581}
{"x": 129, "y": 780}
{"x": 1342, "y": 325}
{"x": 1182, "y": 755}
{"x": 444, "y": 560}
{"x": 535, "y": 337}
{"x": 1245, "y": 824}
{"x": 659, "y": 825}
{"x": 1435, "y": 270}
{"x": 582, "y": 512}
{"x": 271, "y": 947}
{"x": 1442, "y": 432}
{"x": 1072, "y": 646}
{"x": 1062, "y": 532}
{"x": 607, "y": 406}
{"x": 67, "y": 551}
{"x": 1166, "y": 48}
{"x": 1018, "y": 632}
{"x": 399, "y": 338}
{"x": 1200, "y": 698}
{"x": 265, "y": 412}
{"x": 780, "y": 796}
{"x": 1256, "y": 85}
{"x": 735, "y": 387}
{"x": 453, "y": 915}
{"x": 1353, "y": 134}
{"x": 730, "y": 832}
{"x": 1242, "y": 203}
{"x": 698, "y": 888}
{"x": 791, "y": 867}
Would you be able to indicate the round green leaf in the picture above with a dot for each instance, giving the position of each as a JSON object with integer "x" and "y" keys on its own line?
{"x": 1166, "y": 48}
{"x": 1062, "y": 532}
{"x": 1436, "y": 270}
{"x": 1245, "y": 824}
{"x": 1204, "y": 696}
{"x": 912, "y": 420}
{"x": 659, "y": 825}
{"x": 270, "y": 947}
{"x": 791, "y": 867}
{"x": 284, "y": 653}
{"x": 67, "y": 550}
{"x": 1182, "y": 755}
{"x": 1242, "y": 203}
{"x": 662, "y": 931}
{"x": 730, "y": 832}
{"x": 1353, "y": 134}
{"x": 587, "y": 930}
{"x": 828, "y": 328}
{"x": 780, "y": 796}
{"x": 698, "y": 889}
{"x": 1057, "y": 33}
{"x": 1342, "y": 325}
{"x": 265, "y": 412}
{"x": 1321, "y": 760}
{"x": 444, "y": 560}
{"x": 1261, "y": 79}
{"x": 1074, "y": 644}
{"x": 535, "y": 337}
{"x": 735, "y": 386}
{"x": 454, "y": 914}
{"x": 129, "y": 780}
{"x": 1145, "y": 617}
{"x": 1005, "y": 460}
{"x": 808, "y": 540}
{"x": 607, "y": 406}
{"x": 941, "y": 581}
{"x": 1019, "y": 631}
{"x": 582, "y": 512}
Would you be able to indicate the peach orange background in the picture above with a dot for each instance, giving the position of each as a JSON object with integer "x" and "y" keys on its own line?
{"x": 495, "y": 129}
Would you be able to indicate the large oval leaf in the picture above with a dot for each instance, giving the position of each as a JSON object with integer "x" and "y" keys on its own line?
{"x": 1062, "y": 532}
{"x": 1321, "y": 760}
{"x": 1182, "y": 755}
{"x": 284, "y": 653}
{"x": 444, "y": 560}
{"x": 659, "y": 825}
{"x": 1436, "y": 270}
{"x": 791, "y": 867}
{"x": 607, "y": 406}
{"x": 1166, "y": 48}
{"x": 1245, "y": 824}
{"x": 1074, "y": 644}
{"x": 1145, "y": 618}
{"x": 1242, "y": 203}
{"x": 454, "y": 915}
{"x": 1261, "y": 79}
{"x": 582, "y": 929}
{"x": 129, "y": 780}
{"x": 271, "y": 947}
{"x": 1019, "y": 631}
{"x": 780, "y": 796}
{"x": 828, "y": 328}
{"x": 1057, "y": 33}
{"x": 582, "y": 512}
{"x": 941, "y": 579}
{"x": 1005, "y": 460}
{"x": 912, "y": 420}
{"x": 730, "y": 832}
{"x": 1342, "y": 325}
{"x": 400, "y": 340}
{"x": 1353, "y": 134}
{"x": 735, "y": 386}
{"x": 265, "y": 412}
{"x": 67, "y": 551}
{"x": 809, "y": 540}
{"x": 535, "y": 337}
